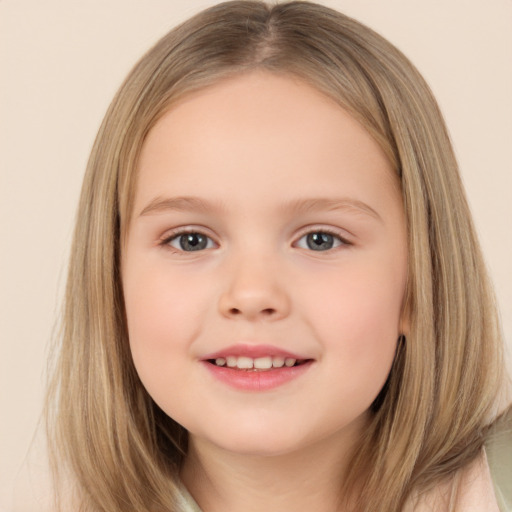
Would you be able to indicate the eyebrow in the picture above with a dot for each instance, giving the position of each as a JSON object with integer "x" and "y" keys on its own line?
{"x": 296, "y": 207}
{"x": 192, "y": 204}
{"x": 301, "y": 206}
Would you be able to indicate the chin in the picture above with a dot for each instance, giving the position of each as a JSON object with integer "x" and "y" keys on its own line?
{"x": 260, "y": 447}
{"x": 262, "y": 440}
{"x": 250, "y": 438}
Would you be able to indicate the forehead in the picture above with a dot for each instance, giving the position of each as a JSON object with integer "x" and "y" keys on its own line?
{"x": 258, "y": 133}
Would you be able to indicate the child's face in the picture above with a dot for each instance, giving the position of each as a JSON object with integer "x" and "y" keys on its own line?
{"x": 295, "y": 248}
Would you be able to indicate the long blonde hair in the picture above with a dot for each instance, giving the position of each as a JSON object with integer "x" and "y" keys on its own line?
{"x": 122, "y": 451}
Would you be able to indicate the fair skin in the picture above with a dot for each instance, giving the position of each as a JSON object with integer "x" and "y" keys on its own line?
{"x": 296, "y": 243}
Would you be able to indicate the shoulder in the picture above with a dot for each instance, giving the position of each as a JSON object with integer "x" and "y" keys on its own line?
{"x": 484, "y": 485}
{"x": 476, "y": 491}
{"x": 469, "y": 490}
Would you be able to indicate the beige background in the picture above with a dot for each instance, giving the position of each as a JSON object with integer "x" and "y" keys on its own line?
{"x": 61, "y": 62}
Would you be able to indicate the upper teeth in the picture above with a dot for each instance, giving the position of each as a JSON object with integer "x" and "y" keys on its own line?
{"x": 259, "y": 363}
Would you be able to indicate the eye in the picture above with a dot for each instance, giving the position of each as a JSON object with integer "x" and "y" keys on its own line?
{"x": 189, "y": 241}
{"x": 320, "y": 241}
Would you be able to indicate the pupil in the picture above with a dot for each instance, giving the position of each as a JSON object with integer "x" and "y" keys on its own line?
{"x": 320, "y": 241}
{"x": 193, "y": 242}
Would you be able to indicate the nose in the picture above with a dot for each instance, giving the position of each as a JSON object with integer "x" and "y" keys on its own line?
{"x": 253, "y": 291}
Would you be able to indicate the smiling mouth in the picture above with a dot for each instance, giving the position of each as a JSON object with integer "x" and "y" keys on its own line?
{"x": 259, "y": 364}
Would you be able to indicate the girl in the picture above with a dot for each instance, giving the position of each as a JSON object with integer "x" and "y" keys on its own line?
{"x": 276, "y": 299}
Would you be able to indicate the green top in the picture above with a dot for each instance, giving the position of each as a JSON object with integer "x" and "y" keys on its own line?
{"x": 499, "y": 453}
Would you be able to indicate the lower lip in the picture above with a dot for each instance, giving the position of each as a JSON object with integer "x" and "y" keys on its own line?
{"x": 264, "y": 380}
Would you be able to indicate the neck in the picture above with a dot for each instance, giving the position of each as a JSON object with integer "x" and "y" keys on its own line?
{"x": 302, "y": 480}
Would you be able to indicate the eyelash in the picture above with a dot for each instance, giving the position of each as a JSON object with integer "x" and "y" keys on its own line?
{"x": 165, "y": 242}
{"x": 335, "y": 234}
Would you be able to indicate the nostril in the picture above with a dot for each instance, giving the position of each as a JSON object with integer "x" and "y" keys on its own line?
{"x": 264, "y": 312}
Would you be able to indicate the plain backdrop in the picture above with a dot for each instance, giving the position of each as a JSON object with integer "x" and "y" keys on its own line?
{"x": 61, "y": 62}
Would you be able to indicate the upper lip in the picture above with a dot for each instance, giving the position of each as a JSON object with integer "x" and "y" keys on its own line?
{"x": 253, "y": 351}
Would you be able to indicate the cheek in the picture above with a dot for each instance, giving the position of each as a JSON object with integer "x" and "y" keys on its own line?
{"x": 361, "y": 299}
{"x": 160, "y": 302}
{"x": 164, "y": 316}
{"x": 356, "y": 316}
